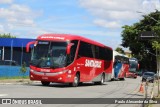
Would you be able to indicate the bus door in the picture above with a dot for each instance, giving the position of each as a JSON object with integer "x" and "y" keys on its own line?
{"x": 85, "y": 61}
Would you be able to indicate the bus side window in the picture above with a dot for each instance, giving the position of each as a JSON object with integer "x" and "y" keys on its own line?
{"x": 109, "y": 54}
{"x": 85, "y": 50}
{"x": 97, "y": 52}
{"x": 73, "y": 52}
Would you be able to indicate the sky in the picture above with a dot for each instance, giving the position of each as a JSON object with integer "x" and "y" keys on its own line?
{"x": 99, "y": 20}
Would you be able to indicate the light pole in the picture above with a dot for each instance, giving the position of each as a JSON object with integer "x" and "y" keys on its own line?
{"x": 157, "y": 59}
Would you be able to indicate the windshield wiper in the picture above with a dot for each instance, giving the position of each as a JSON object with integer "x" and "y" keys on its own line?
{"x": 36, "y": 62}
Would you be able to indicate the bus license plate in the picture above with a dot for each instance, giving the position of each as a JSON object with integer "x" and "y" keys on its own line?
{"x": 45, "y": 78}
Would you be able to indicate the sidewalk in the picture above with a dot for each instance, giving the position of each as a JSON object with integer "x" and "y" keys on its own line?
{"x": 16, "y": 81}
{"x": 155, "y": 93}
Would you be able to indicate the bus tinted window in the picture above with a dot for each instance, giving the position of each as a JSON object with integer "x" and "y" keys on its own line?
{"x": 92, "y": 51}
{"x": 102, "y": 53}
{"x": 73, "y": 52}
{"x": 122, "y": 59}
{"x": 108, "y": 54}
{"x": 126, "y": 60}
{"x": 105, "y": 54}
{"x": 97, "y": 52}
{"x": 85, "y": 50}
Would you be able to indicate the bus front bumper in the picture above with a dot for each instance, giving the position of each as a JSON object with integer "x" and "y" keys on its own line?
{"x": 59, "y": 77}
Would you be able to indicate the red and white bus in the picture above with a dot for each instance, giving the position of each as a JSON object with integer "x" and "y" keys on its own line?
{"x": 120, "y": 66}
{"x": 72, "y": 59}
{"x": 134, "y": 66}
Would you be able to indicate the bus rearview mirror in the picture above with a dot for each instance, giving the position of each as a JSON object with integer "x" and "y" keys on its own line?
{"x": 28, "y": 45}
{"x": 69, "y": 48}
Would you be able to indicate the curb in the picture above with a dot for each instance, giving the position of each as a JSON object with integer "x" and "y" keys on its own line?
{"x": 17, "y": 82}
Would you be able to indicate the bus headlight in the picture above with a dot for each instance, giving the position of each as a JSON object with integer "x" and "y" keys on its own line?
{"x": 62, "y": 72}
{"x": 69, "y": 72}
{"x": 48, "y": 74}
{"x": 31, "y": 70}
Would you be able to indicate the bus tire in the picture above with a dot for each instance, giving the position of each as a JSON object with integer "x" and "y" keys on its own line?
{"x": 75, "y": 81}
{"x": 112, "y": 79}
{"x": 102, "y": 79}
{"x": 45, "y": 83}
{"x": 101, "y": 82}
{"x": 80, "y": 83}
{"x": 122, "y": 79}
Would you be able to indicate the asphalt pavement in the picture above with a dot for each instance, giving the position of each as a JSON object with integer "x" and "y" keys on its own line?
{"x": 129, "y": 88}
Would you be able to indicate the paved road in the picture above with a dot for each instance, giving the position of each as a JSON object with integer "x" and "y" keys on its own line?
{"x": 115, "y": 89}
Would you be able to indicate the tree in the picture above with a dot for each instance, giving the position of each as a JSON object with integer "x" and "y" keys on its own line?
{"x": 7, "y": 36}
{"x": 23, "y": 69}
{"x": 120, "y": 50}
{"x": 156, "y": 46}
{"x": 139, "y": 48}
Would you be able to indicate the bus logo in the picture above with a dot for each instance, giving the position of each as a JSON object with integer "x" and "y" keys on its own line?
{"x": 92, "y": 63}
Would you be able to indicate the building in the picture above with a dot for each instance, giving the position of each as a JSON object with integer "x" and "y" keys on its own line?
{"x": 128, "y": 53}
{"x": 14, "y": 49}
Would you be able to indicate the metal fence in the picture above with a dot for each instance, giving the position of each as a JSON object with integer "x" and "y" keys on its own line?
{"x": 12, "y": 71}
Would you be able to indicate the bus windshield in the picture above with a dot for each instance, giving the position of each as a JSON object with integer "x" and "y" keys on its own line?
{"x": 149, "y": 74}
{"x": 48, "y": 54}
{"x": 133, "y": 64}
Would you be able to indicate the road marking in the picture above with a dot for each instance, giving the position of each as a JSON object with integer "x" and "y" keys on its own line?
{"x": 2, "y": 95}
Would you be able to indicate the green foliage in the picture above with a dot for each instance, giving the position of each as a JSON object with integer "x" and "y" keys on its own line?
{"x": 156, "y": 45}
{"x": 120, "y": 50}
{"x": 7, "y": 36}
{"x": 139, "y": 48}
{"x": 23, "y": 69}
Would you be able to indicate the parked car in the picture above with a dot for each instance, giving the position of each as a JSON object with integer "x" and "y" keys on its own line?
{"x": 150, "y": 76}
{"x": 8, "y": 62}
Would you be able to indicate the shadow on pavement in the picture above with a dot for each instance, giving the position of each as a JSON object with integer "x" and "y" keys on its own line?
{"x": 65, "y": 85}
{"x": 136, "y": 94}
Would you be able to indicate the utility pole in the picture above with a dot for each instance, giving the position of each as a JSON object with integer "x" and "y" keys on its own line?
{"x": 157, "y": 51}
{"x": 157, "y": 67}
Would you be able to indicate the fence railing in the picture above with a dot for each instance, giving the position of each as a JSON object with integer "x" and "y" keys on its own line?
{"x": 12, "y": 71}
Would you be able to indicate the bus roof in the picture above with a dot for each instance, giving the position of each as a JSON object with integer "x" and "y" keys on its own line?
{"x": 115, "y": 53}
{"x": 118, "y": 54}
{"x": 133, "y": 59}
{"x": 65, "y": 37}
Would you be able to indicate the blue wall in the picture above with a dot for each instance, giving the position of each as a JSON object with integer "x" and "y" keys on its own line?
{"x": 12, "y": 71}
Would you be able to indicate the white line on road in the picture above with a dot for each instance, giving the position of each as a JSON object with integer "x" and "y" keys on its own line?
{"x": 2, "y": 95}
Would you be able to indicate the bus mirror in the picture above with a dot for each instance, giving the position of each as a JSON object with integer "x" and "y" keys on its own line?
{"x": 69, "y": 48}
{"x": 28, "y": 45}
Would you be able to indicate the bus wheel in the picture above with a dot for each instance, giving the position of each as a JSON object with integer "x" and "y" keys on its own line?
{"x": 122, "y": 79}
{"x": 101, "y": 82}
{"x": 80, "y": 83}
{"x": 112, "y": 79}
{"x": 45, "y": 83}
{"x": 75, "y": 81}
{"x": 102, "y": 79}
